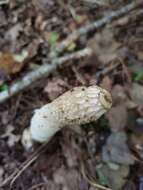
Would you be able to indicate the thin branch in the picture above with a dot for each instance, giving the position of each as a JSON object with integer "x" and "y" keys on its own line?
{"x": 41, "y": 72}
{"x": 24, "y": 165}
{"x": 4, "y": 2}
{"x": 45, "y": 70}
{"x": 93, "y": 26}
{"x": 92, "y": 183}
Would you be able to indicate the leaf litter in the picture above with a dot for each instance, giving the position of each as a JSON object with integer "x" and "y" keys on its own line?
{"x": 112, "y": 152}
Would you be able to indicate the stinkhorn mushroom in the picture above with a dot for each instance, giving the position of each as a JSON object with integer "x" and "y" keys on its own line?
{"x": 75, "y": 107}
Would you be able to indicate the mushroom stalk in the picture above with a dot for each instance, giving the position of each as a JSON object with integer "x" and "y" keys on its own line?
{"x": 75, "y": 107}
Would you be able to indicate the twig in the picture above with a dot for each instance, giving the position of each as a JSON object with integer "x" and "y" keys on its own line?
{"x": 45, "y": 70}
{"x": 93, "y": 26}
{"x": 92, "y": 183}
{"x": 24, "y": 165}
{"x": 38, "y": 185}
{"x": 41, "y": 72}
{"x": 4, "y": 2}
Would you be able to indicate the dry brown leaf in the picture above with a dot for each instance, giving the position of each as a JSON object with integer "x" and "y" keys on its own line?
{"x": 117, "y": 117}
{"x": 116, "y": 150}
{"x": 2, "y": 18}
{"x": 33, "y": 48}
{"x": 55, "y": 87}
{"x": 13, "y": 33}
{"x": 136, "y": 93}
{"x": 116, "y": 178}
{"x": 12, "y": 63}
{"x": 3, "y": 77}
{"x": 136, "y": 141}
{"x": 12, "y": 138}
{"x": 1, "y": 173}
{"x": 68, "y": 179}
{"x": 104, "y": 45}
{"x": 120, "y": 96}
{"x": 43, "y": 5}
{"x": 106, "y": 83}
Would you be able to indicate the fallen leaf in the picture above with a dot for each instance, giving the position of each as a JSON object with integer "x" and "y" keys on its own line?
{"x": 130, "y": 186}
{"x": 43, "y": 5}
{"x": 116, "y": 178}
{"x": 3, "y": 77}
{"x": 50, "y": 185}
{"x": 106, "y": 83}
{"x": 2, "y": 18}
{"x": 136, "y": 93}
{"x": 12, "y": 138}
{"x": 71, "y": 46}
{"x": 68, "y": 179}
{"x": 32, "y": 48}
{"x": 116, "y": 150}
{"x": 55, "y": 87}
{"x": 104, "y": 45}
{"x": 12, "y": 63}
{"x": 117, "y": 117}
{"x": 120, "y": 96}
{"x": 70, "y": 150}
{"x": 136, "y": 141}
{"x": 13, "y": 33}
{"x": 1, "y": 173}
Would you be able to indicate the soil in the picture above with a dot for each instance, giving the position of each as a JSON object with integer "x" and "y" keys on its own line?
{"x": 71, "y": 161}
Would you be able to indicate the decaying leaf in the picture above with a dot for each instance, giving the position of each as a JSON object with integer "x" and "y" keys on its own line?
{"x": 3, "y": 77}
{"x": 68, "y": 179}
{"x": 104, "y": 45}
{"x": 118, "y": 117}
{"x": 116, "y": 150}
{"x": 12, "y": 63}
{"x": 116, "y": 178}
{"x": 106, "y": 83}
{"x": 55, "y": 87}
{"x": 136, "y": 93}
{"x": 1, "y": 173}
{"x": 136, "y": 141}
{"x": 12, "y": 138}
{"x": 43, "y": 5}
{"x": 32, "y": 48}
{"x": 120, "y": 96}
{"x": 13, "y": 33}
{"x": 3, "y": 18}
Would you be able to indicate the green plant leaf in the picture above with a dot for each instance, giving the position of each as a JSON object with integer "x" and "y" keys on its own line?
{"x": 54, "y": 36}
{"x": 102, "y": 178}
{"x": 71, "y": 46}
{"x": 3, "y": 87}
{"x": 138, "y": 76}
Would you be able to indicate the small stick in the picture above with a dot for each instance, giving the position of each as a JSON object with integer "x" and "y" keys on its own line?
{"x": 92, "y": 183}
{"x": 24, "y": 165}
{"x": 41, "y": 72}
{"x": 4, "y": 2}
{"x": 93, "y": 26}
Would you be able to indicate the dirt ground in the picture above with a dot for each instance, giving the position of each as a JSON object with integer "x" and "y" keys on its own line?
{"x": 107, "y": 154}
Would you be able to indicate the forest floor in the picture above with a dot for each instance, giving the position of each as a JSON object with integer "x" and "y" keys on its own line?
{"x": 107, "y": 154}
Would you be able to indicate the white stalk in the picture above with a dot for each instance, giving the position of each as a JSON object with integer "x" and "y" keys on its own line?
{"x": 75, "y": 107}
